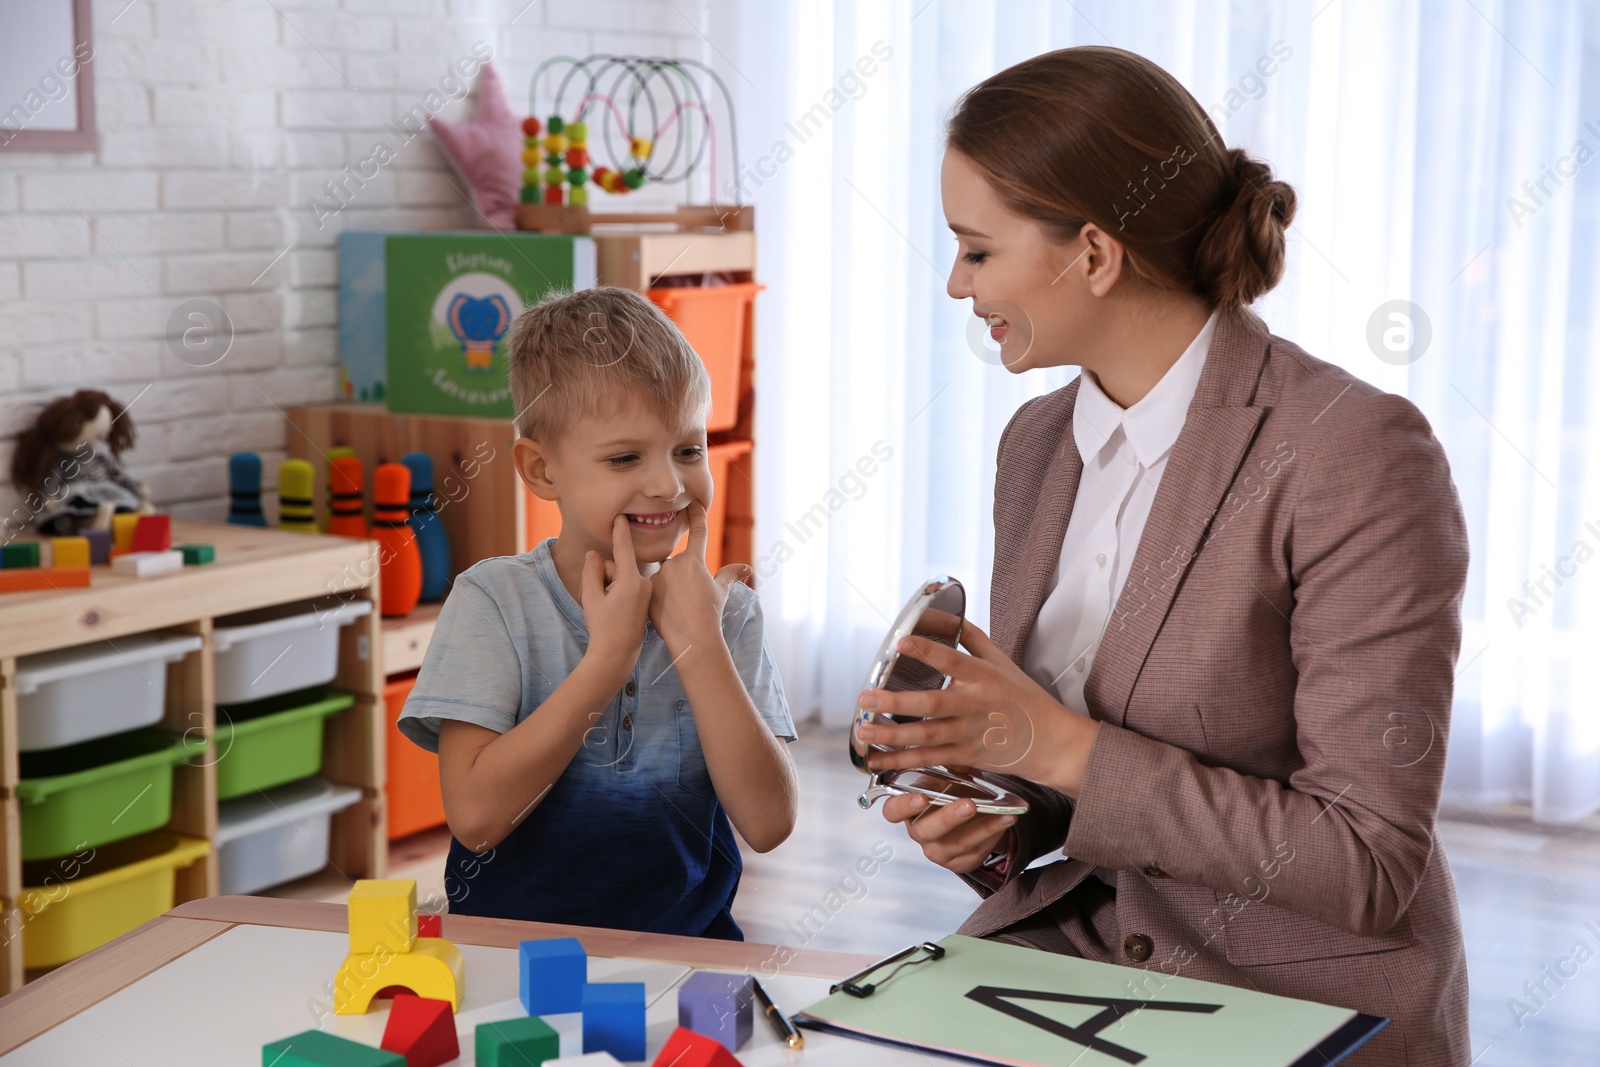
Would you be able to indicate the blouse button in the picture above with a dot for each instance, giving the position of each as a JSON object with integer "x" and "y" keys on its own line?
{"x": 1100, "y": 560}
{"x": 631, "y": 688}
{"x": 1078, "y": 666}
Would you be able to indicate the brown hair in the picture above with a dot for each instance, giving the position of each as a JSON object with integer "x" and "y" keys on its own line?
{"x": 1102, "y": 135}
{"x": 579, "y": 353}
{"x": 61, "y": 420}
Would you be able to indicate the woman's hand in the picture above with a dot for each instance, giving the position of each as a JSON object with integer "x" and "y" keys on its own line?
{"x": 954, "y": 836}
{"x": 992, "y": 716}
{"x": 686, "y": 600}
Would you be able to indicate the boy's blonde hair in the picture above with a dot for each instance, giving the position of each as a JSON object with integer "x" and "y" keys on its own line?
{"x": 577, "y": 354}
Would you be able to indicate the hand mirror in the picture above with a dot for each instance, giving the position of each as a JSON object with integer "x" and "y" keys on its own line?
{"x": 933, "y": 612}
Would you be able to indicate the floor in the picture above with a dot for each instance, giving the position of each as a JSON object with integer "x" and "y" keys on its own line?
{"x": 1526, "y": 893}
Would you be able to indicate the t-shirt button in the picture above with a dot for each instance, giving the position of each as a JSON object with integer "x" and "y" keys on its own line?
{"x": 631, "y": 688}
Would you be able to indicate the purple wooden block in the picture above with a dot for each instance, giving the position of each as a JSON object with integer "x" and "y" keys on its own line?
{"x": 99, "y": 546}
{"x": 718, "y": 1006}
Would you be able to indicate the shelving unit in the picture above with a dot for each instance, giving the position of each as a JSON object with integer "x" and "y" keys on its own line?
{"x": 254, "y": 568}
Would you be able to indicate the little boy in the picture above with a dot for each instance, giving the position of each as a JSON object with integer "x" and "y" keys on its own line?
{"x": 602, "y": 711}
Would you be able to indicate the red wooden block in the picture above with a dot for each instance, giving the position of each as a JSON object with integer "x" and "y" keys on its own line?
{"x": 153, "y": 534}
{"x": 27, "y": 579}
{"x": 685, "y": 1048}
{"x": 430, "y": 925}
{"x": 422, "y": 1030}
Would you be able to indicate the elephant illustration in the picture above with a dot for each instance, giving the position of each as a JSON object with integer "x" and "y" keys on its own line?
{"x": 479, "y": 323}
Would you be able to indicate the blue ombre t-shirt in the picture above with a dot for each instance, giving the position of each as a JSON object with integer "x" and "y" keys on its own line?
{"x": 631, "y": 836}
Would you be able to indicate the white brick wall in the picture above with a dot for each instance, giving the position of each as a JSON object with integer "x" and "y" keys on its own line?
{"x": 217, "y": 121}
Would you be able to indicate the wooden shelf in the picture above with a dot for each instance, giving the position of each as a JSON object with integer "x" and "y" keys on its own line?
{"x": 254, "y": 568}
{"x": 405, "y": 641}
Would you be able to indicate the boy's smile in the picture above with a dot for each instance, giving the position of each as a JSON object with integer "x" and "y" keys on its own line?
{"x": 627, "y": 462}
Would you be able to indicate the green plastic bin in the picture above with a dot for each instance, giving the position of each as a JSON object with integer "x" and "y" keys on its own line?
{"x": 98, "y": 791}
{"x": 269, "y": 742}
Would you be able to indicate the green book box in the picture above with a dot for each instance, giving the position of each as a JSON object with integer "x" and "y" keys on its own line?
{"x": 424, "y": 317}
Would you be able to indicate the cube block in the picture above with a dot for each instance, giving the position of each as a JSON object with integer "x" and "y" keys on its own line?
{"x": 69, "y": 551}
{"x": 525, "y": 1042}
{"x": 552, "y": 974}
{"x": 430, "y": 924}
{"x": 122, "y": 526}
{"x": 588, "y": 1059}
{"x": 383, "y": 915}
{"x": 196, "y": 555}
{"x": 719, "y": 1006}
{"x": 152, "y": 533}
{"x": 99, "y": 546}
{"x": 613, "y": 1019}
{"x": 19, "y": 554}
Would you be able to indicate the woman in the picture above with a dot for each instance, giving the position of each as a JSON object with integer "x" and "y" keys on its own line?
{"x": 1227, "y": 583}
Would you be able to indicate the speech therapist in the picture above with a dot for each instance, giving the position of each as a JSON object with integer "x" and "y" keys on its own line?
{"x": 1227, "y": 584}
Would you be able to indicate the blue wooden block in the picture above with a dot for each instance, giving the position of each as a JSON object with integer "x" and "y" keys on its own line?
{"x": 553, "y": 973}
{"x": 613, "y": 1019}
{"x": 718, "y": 1006}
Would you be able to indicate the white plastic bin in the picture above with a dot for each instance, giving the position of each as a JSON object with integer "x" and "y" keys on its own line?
{"x": 269, "y": 838}
{"x": 88, "y": 691}
{"x": 280, "y": 649}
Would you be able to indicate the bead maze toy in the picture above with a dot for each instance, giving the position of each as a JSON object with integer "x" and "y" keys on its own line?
{"x": 667, "y": 137}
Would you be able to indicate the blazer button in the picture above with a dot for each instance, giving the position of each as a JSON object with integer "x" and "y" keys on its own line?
{"x": 1137, "y": 947}
{"x": 631, "y": 688}
{"x": 1155, "y": 872}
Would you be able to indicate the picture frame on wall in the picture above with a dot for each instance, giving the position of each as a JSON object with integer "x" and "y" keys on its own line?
{"x": 46, "y": 76}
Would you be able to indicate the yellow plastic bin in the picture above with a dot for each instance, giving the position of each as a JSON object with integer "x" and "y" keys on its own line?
{"x": 77, "y": 903}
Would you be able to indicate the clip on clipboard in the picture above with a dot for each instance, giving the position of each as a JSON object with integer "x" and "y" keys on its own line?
{"x": 852, "y": 985}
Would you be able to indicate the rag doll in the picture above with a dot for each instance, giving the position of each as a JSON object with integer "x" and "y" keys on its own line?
{"x": 70, "y": 464}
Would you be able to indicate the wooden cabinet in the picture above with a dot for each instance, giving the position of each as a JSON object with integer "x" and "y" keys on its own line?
{"x": 254, "y": 568}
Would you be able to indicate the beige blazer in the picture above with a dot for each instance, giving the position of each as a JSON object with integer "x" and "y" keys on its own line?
{"x": 1274, "y": 687}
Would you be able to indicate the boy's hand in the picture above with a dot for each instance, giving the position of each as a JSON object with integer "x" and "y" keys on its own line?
{"x": 615, "y": 611}
{"x": 686, "y": 601}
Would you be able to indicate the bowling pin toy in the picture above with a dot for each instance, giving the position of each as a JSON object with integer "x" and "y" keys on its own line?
{"x": 295, "y": 478}
{"x": 399, "y": 561}
{"x": 432, "y": 542}
{"x": 244, "y": 490}
{"x": 345, "y": 476}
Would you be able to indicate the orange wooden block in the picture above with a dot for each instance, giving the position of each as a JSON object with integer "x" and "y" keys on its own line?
{"x": 29, "y": 579}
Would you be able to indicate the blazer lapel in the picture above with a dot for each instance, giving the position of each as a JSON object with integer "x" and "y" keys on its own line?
{"x": 1216, "y": 434}
{"x": 1018, "y": 589}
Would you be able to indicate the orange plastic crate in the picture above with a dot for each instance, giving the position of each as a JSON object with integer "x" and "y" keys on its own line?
{"x": 415, "y": 802}
{"x": 544, "y": 517}
{"x": 714, "y": 318}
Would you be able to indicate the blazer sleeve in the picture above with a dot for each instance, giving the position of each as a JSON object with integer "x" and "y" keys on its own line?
{"x": 1378, "y": 558}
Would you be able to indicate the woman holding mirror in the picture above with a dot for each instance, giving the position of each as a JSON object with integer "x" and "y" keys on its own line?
{"x": 1227, "y": 584}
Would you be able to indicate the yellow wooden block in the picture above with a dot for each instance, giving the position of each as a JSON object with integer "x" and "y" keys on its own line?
{"x": 122, "y": 526}
{"x": 70, "y": 551}
{"x": 433, "y": 968}
{"x": 383, "y": 915}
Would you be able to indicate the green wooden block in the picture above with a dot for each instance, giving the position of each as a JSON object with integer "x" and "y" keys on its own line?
{"x": 523, "y": 1042}
{"x": 194, "y": 555}
{"x": 20, "y": 554}
{"x": 314, "y": 1048}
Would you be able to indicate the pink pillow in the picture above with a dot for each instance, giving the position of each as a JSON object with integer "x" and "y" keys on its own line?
{"x": 488, "y": 151}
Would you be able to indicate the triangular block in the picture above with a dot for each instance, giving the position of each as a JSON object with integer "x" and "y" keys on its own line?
{"x": 316, "y": 1048}
{"x": 685, "y": 1048}
{"x": 421, "y": 1029}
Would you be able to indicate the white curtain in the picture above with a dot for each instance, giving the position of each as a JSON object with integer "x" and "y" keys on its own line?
{"x": 1444, "y": 155}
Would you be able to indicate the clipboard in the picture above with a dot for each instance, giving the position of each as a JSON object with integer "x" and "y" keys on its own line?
{"x": 985, "y": 1002}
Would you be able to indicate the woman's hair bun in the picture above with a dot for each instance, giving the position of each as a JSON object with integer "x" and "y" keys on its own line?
{"x": 1241, "y": 255}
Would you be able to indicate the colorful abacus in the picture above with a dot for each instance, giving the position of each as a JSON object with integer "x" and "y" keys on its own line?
{"x": 565, "y": 174}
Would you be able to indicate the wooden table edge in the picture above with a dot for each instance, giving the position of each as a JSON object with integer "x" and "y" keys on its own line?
{"x": 57, "y": 996}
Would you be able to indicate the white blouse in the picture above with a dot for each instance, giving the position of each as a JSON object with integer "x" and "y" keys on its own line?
{"x": 1124, "y": 454}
